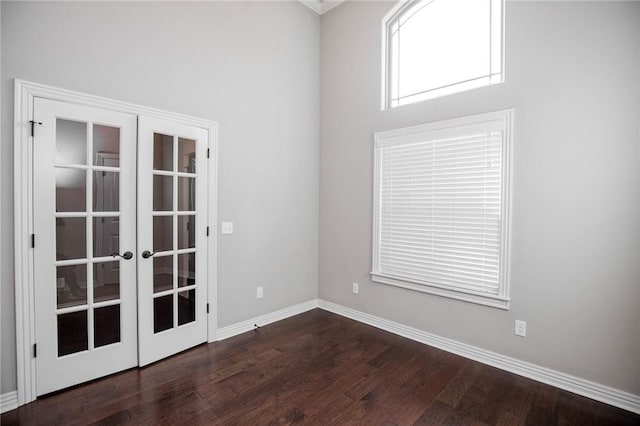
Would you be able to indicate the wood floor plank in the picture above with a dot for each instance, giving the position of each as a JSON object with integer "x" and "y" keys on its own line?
{"x": 436, "y": 413}
{"x": 316, "y": 368}
{"x": 331, "y": 410}
{"x": 428, "y": 389}
{"x": 460, "y": 384}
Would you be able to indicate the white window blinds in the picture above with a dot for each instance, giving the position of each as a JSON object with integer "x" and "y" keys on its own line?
{"x": 441, "y": 207}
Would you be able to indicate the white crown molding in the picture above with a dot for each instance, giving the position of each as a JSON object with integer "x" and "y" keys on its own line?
{"x": 8, "y": 401}
{"x": 602, "y": 393}
{"x": 321, "y": 6}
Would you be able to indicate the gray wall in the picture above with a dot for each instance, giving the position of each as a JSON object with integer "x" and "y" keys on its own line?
{"x": 573, "y": 72}
{"x": 253, "y": 67}
{"x": 4, "y": 318}
{"x": 572, "y": 76}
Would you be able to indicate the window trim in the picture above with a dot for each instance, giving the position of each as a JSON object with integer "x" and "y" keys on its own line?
{"x": 461, "y": 86}
{"x": 502, "y": 119}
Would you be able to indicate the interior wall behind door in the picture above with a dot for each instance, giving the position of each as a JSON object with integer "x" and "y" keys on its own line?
{"x": 251, "y": 66}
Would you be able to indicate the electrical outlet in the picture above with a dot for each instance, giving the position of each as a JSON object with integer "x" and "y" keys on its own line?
{"x": 227, "y": 228}
{"x": 259, "y": 293}
{"x": 355, "y": 288}
{"x": 521, "y": 328}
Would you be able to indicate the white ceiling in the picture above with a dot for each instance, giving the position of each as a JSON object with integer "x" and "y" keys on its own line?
{"x": 321, "y": 6}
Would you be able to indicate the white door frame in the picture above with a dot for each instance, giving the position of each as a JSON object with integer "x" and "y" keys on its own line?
{"x": 24, "y": 94}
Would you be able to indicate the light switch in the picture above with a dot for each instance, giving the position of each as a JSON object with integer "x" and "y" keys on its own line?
{"x": 227, "y": 228}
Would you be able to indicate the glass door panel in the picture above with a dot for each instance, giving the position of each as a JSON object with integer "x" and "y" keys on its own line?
{"x": 162, "y": 193}
{"x": 162, "y": 273}
{"x": 106, "y": 191}
{"x": 106, "y": 281}
{"x": 171, "y": 230}
{"x": 162, "y": 152}
{"x": 71, "y": 285}
{"x": 71, "y": 142}
{"x": 172, "y": 219}
{"x": 106, "y": 146}
{"x": 71, "y": 187}
{"x": 71, "y": 238}
{"x": 94, "y": 309}
{"x": 83, "y": 157}
{"x": 162, "y": 233}
{"x": 120, "y": 276}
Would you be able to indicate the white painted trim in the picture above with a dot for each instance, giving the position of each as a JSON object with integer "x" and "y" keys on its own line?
{"x": 212, "y": 273}
{"x": 396, "y": 13}
{"x": 248, "y": 325}
{"x": 315, "y": 5}
{"x": 321, "y": 6}
{"x": 328, "y": 5}
{"x": 24, "y": 93}
{"x": 490, "y": 300}
{"x": 497, "y": 120}
{"x": 23, "y": 227}
{"x": 385, "y": 92}
{"x": 596, "y": 391}
{"x": 64, "y": 95}
{"x": 8, "y": 401}
{"x": 589, "y": 389}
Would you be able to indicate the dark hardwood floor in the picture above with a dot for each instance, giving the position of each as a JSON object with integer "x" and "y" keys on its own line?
{"x": 322, "y": 369}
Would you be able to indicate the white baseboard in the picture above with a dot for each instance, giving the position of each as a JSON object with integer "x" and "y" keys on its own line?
{"x": 608, "y": 395}
{"x": 248, "y": 325}
{"x": 598, "y": 392}
{"x": 8, "y": 401}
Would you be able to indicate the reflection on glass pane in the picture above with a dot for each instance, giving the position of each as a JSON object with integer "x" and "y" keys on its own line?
{"x": 106, "y": 236}
{"x": 186, "y": 231}
{"x": 71, "y": 142}
{"x": 106, "y": 325}
{"x": 106, "y": 281}
{"x": 162, "y": 152}
{"x": 106, "y": 191}
{"x": 186, "y": 269}
{"x": 72, "y": 333}
{"x": 162, "y": 233}
{"x": 71, "y": 285}
{"x": 106, "y": 146}
{"x": 71, "y": 193}
{"x": 71, "y": 238}
{"x": 162, "y": 273}
{"x": 186, "y": 307}
{"x": 162, "y": 313}
{"x": 186, "y": 194}
{"x": 162, "y": 193}
{"x": 186, "y": 155}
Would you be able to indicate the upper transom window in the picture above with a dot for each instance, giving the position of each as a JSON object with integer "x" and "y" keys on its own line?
{"x": 438, "y": 47}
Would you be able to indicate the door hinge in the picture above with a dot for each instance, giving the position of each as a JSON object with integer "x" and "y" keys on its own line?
{"x": 208, "y": 152}
{"x": 207, "y": 308}
{"x": 33, "y": 240}
{"x": 33, "y": 125}
{"x": 207, "y": 231}
{"x": 35, "y": 350}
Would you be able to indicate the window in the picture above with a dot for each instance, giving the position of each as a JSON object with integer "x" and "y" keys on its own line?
{"x": 438, "y": 47}
{"x": 441, "y": 208}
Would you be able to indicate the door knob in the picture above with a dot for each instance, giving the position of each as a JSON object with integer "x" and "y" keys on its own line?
{"x": 126, "y": 255}
{"x": 147, "y": 254}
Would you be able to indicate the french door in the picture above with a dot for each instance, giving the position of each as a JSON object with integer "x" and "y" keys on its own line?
{"x": 119, "y": 225}
{"x": 172, "y": 233}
